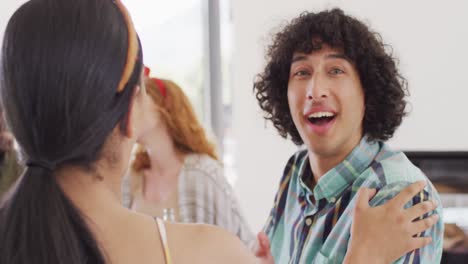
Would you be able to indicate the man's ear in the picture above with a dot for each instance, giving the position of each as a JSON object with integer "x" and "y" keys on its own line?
{"x": 131, "y": 114}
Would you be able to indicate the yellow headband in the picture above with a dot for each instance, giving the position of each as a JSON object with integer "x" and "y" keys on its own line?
{"x": 133, "y": 46}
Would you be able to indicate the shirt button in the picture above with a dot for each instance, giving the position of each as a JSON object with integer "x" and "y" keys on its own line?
{"x": 308, "y": 221}
{"x": 333, "y": 199}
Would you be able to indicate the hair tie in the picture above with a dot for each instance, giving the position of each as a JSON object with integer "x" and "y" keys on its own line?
{"x": 159, "y": 83}
{"x": 41, "y": 164}
{"x": 146, "y": 71}
{"x": 162, "y": 87}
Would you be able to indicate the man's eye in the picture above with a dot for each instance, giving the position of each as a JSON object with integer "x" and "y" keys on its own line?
{"x": 336, "y": 71}
{"x": 301, "y": 73}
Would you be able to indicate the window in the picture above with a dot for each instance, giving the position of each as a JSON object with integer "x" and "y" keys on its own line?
{"x": 189, "y": 42}
{"x": 172, "y": 34}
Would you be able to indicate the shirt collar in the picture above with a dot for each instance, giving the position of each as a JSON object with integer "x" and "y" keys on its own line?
{"x": 335, "y": 181}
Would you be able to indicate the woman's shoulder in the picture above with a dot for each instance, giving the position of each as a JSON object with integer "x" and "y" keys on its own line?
{"x": 213, "y": 245}
{"x": 201, "y": 167}
{"x": 201, "y": 161}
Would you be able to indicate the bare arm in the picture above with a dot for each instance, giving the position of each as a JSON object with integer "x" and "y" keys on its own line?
{"x": 200, "y": 243}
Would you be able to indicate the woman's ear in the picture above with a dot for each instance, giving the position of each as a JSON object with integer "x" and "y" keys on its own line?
{"x": 132, "y": 114}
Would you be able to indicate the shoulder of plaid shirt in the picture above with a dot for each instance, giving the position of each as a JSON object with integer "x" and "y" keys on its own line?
{"x": 397, "y": 178}
{"x": 398, "y": 173}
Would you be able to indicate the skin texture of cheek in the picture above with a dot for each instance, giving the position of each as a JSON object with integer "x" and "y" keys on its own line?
{"x": 349, "y": 127}
{"x": 296, "y": 111}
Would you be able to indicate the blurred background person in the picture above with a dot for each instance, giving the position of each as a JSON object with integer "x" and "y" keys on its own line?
{"x": 177, "y": 175}
{"x": 9, "y": 167}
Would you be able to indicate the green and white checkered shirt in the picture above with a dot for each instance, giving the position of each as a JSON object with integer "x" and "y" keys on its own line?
{"x": 313, "y": 226}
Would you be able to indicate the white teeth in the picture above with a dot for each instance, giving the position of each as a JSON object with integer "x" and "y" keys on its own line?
{"x": 321, "y": 114}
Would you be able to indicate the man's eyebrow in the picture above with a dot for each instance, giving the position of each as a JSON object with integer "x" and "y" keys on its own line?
{"x": 300, "y": 57}
{"x": 338, "y": 56}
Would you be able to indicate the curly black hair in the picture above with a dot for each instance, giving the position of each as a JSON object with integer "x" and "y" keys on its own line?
{"x": 384, "y": 87}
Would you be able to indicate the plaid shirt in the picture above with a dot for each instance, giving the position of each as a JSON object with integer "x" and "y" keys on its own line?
{"x": 313, "y": 226}
{"x": 204, "y": 196}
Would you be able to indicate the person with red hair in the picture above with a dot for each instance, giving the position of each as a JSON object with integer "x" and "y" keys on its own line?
{"x": 178, "y": 176}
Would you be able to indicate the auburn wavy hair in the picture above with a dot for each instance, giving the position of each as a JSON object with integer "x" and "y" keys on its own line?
{"x": 177, "y": 113}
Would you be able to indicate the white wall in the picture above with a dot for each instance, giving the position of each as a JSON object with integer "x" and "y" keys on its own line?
{"x": 7, "y": 7}
{"x": 429, "y": 37}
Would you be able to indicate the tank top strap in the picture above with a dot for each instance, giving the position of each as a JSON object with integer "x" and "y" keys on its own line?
{"x": 163, "y": 236}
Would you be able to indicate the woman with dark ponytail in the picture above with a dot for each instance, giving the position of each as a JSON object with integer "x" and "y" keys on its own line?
{"x": 62, "y": 65}
{"x": 70, "y": 83}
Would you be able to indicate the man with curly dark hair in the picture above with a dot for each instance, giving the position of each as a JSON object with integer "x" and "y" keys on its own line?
{"x": 330, "y": 84}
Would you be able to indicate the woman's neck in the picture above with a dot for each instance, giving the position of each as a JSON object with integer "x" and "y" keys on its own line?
{"x": 99, "y": 203}
{"x": 161, "y": 180}
{"x": 91, "y": 192}
{"x": 166, "y": 159}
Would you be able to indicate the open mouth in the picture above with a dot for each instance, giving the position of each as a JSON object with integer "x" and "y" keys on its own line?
{"x": 321, "y": 118}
